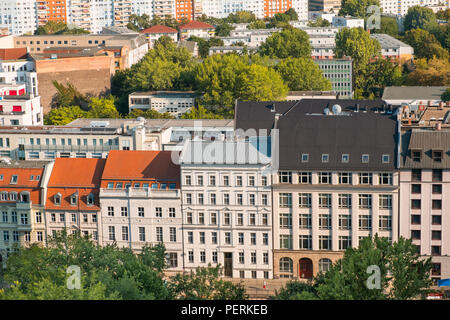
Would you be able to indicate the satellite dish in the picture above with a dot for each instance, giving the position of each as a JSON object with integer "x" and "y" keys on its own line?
{"x": 337, "y": 109}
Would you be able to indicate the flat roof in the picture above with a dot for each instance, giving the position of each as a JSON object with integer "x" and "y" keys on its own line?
{"x": 387, "y": 41}
{"x": 413, "y": 93}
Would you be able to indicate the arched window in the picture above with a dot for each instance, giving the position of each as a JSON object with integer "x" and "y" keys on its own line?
{"x": 286, "y": 267}
{"x": 324, "y": 264}
{"x": 4, "y": 196}
{"x": 25, "y": 196}
{"x": 74, "y": 198}
{"x": 57, "y": 199}
{"x": 13, "y": 196}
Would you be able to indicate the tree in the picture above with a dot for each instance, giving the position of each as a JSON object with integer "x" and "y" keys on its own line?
{"x": 302, "y": 74}
{"x": 64, "y": 115}
{"x": 357, "y": 8}
{"x": 59, "y": 27}
{"x": 434, "y": 72}
{"x": 319, "y": 22}
{"x": 138, "y": 23}
{"x": 388, "y": 26}
{"x": 287, "y": 43}
{"x": 240, "y": 17}
{"x": 420, "y": 17}
{"x": 257, "y": 24}
{"x": 425, "y": 44}
{"x": 149, "y": 114}
{"x": 200, "y": 112}
{"x": 205, "y": 284}
{"x": 292, "y": 14}
{"x": 443, "y": 14}
{"x": 67, "y": 95}
{"x": 103, "y": 108}
{"x": 446, "y": 95}
{"x": 295, "y": 290}
{"x": 224, "y": 29}
{"x": 381, "y": 73}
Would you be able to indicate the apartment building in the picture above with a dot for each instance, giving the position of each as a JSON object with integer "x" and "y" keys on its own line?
{"x": 17, "y": 67}
{"x": 197, "y": 29}
{"x": 393, "y": 48}
{"x": 336, "y": 183}
{"x": 18, "y": 16}
{"x": 141, "y": 202}
{"x": 155, "y": 32}
{"x": 72, "y": 198}
{"x": 21, "y": 204}
{"x": 400, "y": 7}
{"x": 18, "y": 107}
{"x": 47, "y": 10}
{"x": 226, "y": 205}
{"x": 340, "y": 73}
{"x": 174, "y": 102}
{"x": 349, "y": 22}
{"x": 185, "y": 9}
{"x": 325, "y": 5}
{"x": 424, "y": 182}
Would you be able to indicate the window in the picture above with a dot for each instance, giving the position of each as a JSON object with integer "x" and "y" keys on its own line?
{"x": 345, "y": 158}
{"x": 324, "y": 221}
{"x": 324, "y": 200}
{"x": 436, "y": 269}
{"x": 173, "y": 234}
{"x": 285, "y": 241}
{"x": 124, "y": 211}
{"x": 14, "y": 179}
{"x": 385, "y": 158}
{"x": 304, "y": 177}
{"x": 202, "y": 256}
{"x": 305, "y": 157}
{"x": 365, "y": 158}
{"x": 226, "y": 199}
{"x": 40, "y": 236}
{"x": 252, "y": 219}
{"x": 264, "y": 180}
{"x": 253, "y": 258}
{"x": 112, "y": 233}
{"x": 345, "y": 222}
{"x": 365, "y": 201}
{"x": 325, "y": 177}
{"x": 227, "y": 218}
{"x": 286, "y": 266}
{"x": 415, "y": 219}
{"x": 436, "y": 235}
{"x": 241, "y": 257}
{"x": 304, "y": 200}
{"x": 305, "y": 242}
{"x": 265, "y": 219}
{"x": 214, "y": 257}
{"x": 385, "y": 201}
{"x": 158, "y": 212}
{"x": 212, "y": 180}
{"x": 416, "y": 188}
{"x": 124, "y": 233}
{"x": 171, "y": 212}
{"x": 239, "y": 200}
{"x": 436, "y": 155}
{"x": 253, "y": 238}
{"x": 265, "y": 239}
{"x": 264, "y": 200}
{"x": 213, "y": 218}
{"x": 266, "y": 260}
{"x": 435, "y": 250}
{"x": 285, "y": 177}
{"x": 285, "y": 220}
{"x": 345, "y": 242}
{"x": 324, "y": 243}
{"x": 324, "y": 265}
{"x": 110, "y": 211}
{"x": 227, "y": 237}
{"x": 5, "y": 216}
{"x": 365, "y": 222}
{"x": 416, "y": 175}
{"x": 325, "y": 158}
{"x": 141, "y": 212}
{"x": 345, "y": 201}
{"x": 251, "y": 181}
{"x": 365, "y": 178}
{"x": 437, "y": 175}
{"x": 385, "y": 178}
{"x": 214, "y": 237}
{"x": 187, "y": 180}
{"x": 212, "y": 198}
{"x": 226, "y": 182}
{"x": 345, "y": 177}
{"x": 435, "y": 220}
{"x": 189, "y": 198}
{"x": 159, "y": 234}
{"x": 239, "y": 181}
{"x": 191, "y": 256}
{"x": 415, "y": 204}
{"x": 285, "y": 200}
{"x": 437, "y": 189}
{"x": 200, "y": 198}
{"x": 436, "y": 204}
{"x": 241, "y": 238}
{"x": 110, "y": 185}
{"x": 251, "y": 199}
{"x": 200, "y": 180}
{"x": 173, "y": 260}
{"x": 305, "y": 221}
{"x": 385, "y": 223}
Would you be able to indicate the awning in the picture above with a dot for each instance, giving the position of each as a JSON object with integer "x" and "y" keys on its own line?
{"x": 444, "y": 283}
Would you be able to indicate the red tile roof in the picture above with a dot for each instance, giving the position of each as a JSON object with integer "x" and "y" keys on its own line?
{"x": 66, "y": 193}
{"x": 13, "y": 53}
{"x": 196, "y": 25}
{"x": 159, "y": 29}
{"x": 76, "y": 172}
{"x": 23, "y": 182}
{"x": 141, "y": 165}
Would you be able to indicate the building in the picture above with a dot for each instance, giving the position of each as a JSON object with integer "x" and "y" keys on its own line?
{"x": 72, "y": 197}
{"x": 299, "y": 95}
{"x": 155, "y": 32}
{"x": 340, "y": 73}
{"x": 21, "y": 204}
{"x": 141, "y": 204}
{"x": 18, "y": 108}
{"x": 50, "y": 11}
{"x": 197, "y": 29}
{"x": 393, "y": 48}
{"x": 349, "y": 22}
{"x": 18, "y": 16}
{"x": 400, "y": 7}
{"x": 325, "y": 5}
{"x": 231, "y": 49}
{"x": 174, "y": 102}
{"x": 226, "y": 203}
{"x": 163, "y": 8}
{"x": 414, "y": 95}
{"x": 185, "y": 9}
{"x": 336, "y": 182}
{"x": 96, "y": 65}
{"x": 314, "y": 15}
{"x": 424, "y": 182}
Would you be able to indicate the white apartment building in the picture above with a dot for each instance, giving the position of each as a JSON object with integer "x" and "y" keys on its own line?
{"x": 349, "y": 22}
{"x": 226, "y": 205}
{"x": 400, "y": 7}
{"x": 141, "y": 7}
{"x": 140, "y": 203}
{"x": 174, "y": 102}
{"x": 18, "y": 108}
{"x": 18, "y": 16}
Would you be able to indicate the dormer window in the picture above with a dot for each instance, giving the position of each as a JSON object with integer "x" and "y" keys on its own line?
{"x": 13, "y": 196}
{"x": 305, "y": 157}
{"x": 437, "y": 155}
{"x": 365, "y": 158}
{"x": 3, "y": 196}
{"x": 345, "y": 158}
{"x": 1, "y": 177}
{"x": 385, "y": 158}
{"x": 325, "y": 157}
{"x": 74, "y": 199}
{"x": 119, "y": 185}
{"x": 57, "y": 199}
{"x": 416, "y": 155}
{"x": 14, "y": 179}
{"x": 110, "y": 185}
{"x": 25, "y": 196}
{"x": 90, "y": 199}
{"x": 32, "y": 177}
{"x": 38, "y": 177}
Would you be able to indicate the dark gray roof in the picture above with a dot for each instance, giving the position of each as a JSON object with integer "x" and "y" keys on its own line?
{"x": 305, "y": 129}
{"x": 425, "y": 140}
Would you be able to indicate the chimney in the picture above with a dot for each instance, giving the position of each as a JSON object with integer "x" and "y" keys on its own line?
{"x": 438, "y": 126}
{"x": 441, "y": 105}
{"x": 429, "y": 103}
{"x": 357, "y": 107}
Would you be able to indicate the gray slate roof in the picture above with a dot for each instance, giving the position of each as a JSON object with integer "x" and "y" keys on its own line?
{"x": 413, "y": 93}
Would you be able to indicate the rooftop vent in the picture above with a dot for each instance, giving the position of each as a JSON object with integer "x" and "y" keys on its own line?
{"x": 99, "y": 124}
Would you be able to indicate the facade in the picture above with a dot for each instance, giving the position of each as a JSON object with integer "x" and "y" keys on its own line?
{"x": 163, "y": 8}
{"x": 140, "y": 203}
{"x": 174, "y": 102}
{"x": 18, "y": 16}
{"x": 332, "y": 189}
{"x": 185, "y": 9}
{"x": 340, "y": 73}
{"x": 400, "y": 7}
{"x": 50, "y": 11}
{"x": 72, "y": 197}
{"x": 325, "y": 5}
{"x": 154, "y": 33}
{"x": 226, "y": 209}
{"x": 425, "y": 182}
{"x": 414, "y": 95}
{"x": 393, "y": 48}
{"x": 349, "y": 22}
{"x": 21, "y": 205}
{"x": 299, "y": 95}
{"x": 18, "y": 108}
{"x": 197, "y": 29}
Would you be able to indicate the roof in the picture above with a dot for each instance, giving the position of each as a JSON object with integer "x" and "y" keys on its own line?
{"x": 413, "y": 93}
{"x": 76, "y": 172}
{"x": 23, "y": 177}
{"x": 426, "y": 140}
{"x": 159, "y": 29}
{"x": 13, "y": 53}
{"x": 141, "y": 165}
{"x": 196, "y": 25}
{"x": 387, "y": 41}
{"x": 305, "y": 129}
{"x": 166, "y": 94}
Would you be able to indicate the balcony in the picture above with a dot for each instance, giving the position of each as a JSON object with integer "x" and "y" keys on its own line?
{"x": 70, "y": 148}
{"x": 23, "y": 205}
{"x": 140, "y": 193}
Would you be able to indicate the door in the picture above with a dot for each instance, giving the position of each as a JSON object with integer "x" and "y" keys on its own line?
{"x": 306, "y": 268}
{"x": 228, "y": 264}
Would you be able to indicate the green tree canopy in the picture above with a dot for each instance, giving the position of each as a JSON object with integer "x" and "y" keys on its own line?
{"x": 138, "y": 23}
{"x": 425, "y": 44}
{"x": 302, "y": 74}
{"x": 319, "y": 22}
{"x": 434, "y": 72}
{"x": 257, "y": 24}
{"x": 103, "y": 108}
{"x": 240, "y": 17}
{"x": 446, "y": 95}
{"x": 357, "y": 8}
{"x": 59, "y": 27}
{"x": 149, "y": 114}
{"x": 420, "y": 17}
{"x": 64, "y": 115}
{"x": 287, "y": 43}
{"x": 388, "y": 26}
{"x": 224, "y": 29}
{"x": 200, "y": 112}
{"x": 67, "y": 95}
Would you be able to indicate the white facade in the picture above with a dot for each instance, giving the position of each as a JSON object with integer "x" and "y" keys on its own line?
{"x": 23, "y": 110}
{"x": 400, "y": 7}
{"x": 141, "y": 7}
{"x": 226, "y": 216}
{"x": 19, "y": 16}
{"x": 20, "y": 72}
{"x": 175, "y": 103}
{"x": 349, "y": 22}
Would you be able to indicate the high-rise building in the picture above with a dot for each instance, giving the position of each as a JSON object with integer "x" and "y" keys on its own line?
{"x": 184, "y": 9}
{"x": 50, "y": 11}
{"x": 340, "y": 74}
{"x": 18, "y": 16}
{"x": 325, "y": 5}
{"x": 400, "y": 7}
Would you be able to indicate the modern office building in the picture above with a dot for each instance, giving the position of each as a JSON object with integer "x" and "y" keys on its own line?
{"x": 393, "y": 48}
{"x": 174, "y": 102}
{"x": 340, "y": 73}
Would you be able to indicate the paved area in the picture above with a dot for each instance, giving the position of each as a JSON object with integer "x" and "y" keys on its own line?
{"x": 255, "y": 287}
